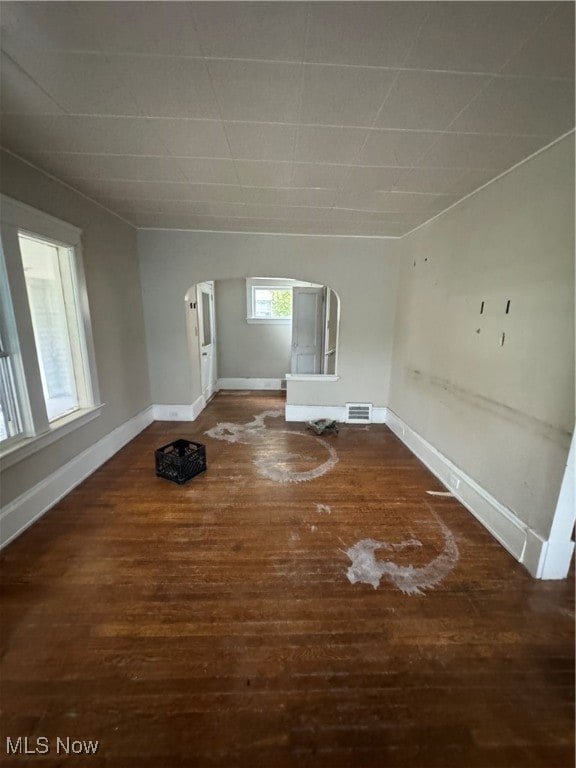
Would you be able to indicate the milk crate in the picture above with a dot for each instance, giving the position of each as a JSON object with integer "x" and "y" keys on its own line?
{"x": 180, "y": 461}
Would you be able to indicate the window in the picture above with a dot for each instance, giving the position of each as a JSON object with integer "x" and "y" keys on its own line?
{"x": 269, "y": 300}
{"x": 47, "y": 371}
{"x": 10, "y": 422}
{"x": 272, "y": 302}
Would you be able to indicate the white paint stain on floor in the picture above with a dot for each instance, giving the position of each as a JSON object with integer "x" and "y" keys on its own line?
{"x": 412, "y": 580}
{"x": 323, "y": 509}
{"x": 439, "y": 493}
{"x": 242, "y": 433}
{"x": 277, "y": 464}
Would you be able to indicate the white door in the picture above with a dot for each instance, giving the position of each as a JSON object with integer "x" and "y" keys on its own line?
{"x": 307, "y": 330}
{"x": 205, "y": 294}
{"x": 330, "y": 330}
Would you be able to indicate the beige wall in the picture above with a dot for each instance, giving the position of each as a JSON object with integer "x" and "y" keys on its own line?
{"x": 114, "y": 293}
{"x": 362, "y": 271}
{"x": 248, "y": 350}
{"x": 502, "y": 414}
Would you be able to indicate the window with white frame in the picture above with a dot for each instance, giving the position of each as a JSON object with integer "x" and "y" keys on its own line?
{"x": 47, "y": 368}
{"x": 269, "y": 300}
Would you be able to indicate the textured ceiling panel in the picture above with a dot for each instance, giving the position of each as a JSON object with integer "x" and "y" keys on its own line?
{"x": 344, "y": 118}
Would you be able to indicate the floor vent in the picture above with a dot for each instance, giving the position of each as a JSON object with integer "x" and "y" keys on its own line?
{"x": 358, "y": 413}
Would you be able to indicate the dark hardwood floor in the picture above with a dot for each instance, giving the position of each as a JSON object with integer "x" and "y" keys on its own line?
{"x": 214, "y": 623}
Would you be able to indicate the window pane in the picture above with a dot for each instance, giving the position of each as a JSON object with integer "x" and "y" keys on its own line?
{"x": 9, "y": 415}
{"x": 272, "y": 302}
{"x": 206, "y": 319}
{"x": 42, "y": 270}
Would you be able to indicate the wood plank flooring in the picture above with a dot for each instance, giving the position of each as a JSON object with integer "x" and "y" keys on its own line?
{"x": 213, "y": 624}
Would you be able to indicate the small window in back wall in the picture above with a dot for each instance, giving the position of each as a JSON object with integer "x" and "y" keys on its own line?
{"x": 268, "y": 301}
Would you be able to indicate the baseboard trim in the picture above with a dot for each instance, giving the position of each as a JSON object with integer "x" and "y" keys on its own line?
{"x": 248, "y": 383}
{"x": 19, "y": 514}
{"x": 336, "y": 412}
{"x": 543, "y": 559}
{"x": 179, "y": 412}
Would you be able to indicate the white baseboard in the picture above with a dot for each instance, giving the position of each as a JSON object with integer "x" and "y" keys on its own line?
{"x": 336, "y": 412}
{"x": 543, "y": 559}
{"x": 19, "y": 514}
{"x": 247, "y": 383}
{"x": 178, "y": 412}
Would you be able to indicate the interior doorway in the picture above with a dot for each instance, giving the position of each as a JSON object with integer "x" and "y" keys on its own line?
{"x": 206, "y": 338}
{"x": 314, "y": 330}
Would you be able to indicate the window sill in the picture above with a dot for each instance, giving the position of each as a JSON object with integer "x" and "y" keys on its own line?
{"x": 269, "y": 320}
{"x": 29, "y": 445}
{"x": 319, "y": 377}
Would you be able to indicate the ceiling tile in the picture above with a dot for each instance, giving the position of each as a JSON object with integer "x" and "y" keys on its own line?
{"x": 26, "y": 133}
{"x": 316, "y": 198}
{"x": 263, "y": 173}
{"x": 264, "y": 196}
{"x": 207, "y": 171}
{"x": 318, "y": 175}
{"x": 409, "y": 202}
{"x": 357, "y": 200}
{"x": 550, "y": 51}
{"x": 514, "y": 150}
{"x": 141, "y": 27}
{"x": 370, "y": 178}
{"x": 67, "y": 133}
{"x": 131, "y": 190}
{"x": 463, "y": 150}
{"x": 373, "y": 34}
{"x": 81, "y": 83}
{"x": 306, "y": 213}
{"x": 168, "y": 87}
{"x": 252, "y": 30}
{"x": 49, "y": 26}
{"x": 471, "y": 180}
{"x": 20, "y": 93}
{"x": 395, "y": 148}
{"x": 256, "y": 90}
{"x": 343, "y": 95}
{"x": 436, "y": 180}
{"x": 191, "y": 138}
{"x": 329, "y": 145}
{"x": 516, "y": 105}
{"x": 110, "y": 167}
{"x": 429, "y": 100}
{"x": 474, "y": 36}
{"x": 253, "y": 141}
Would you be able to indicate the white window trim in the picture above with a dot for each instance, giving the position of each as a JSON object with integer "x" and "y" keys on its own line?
{"x": 268, "y": 282}
{"x": 15, "y": 218}
{"x": 21, "y": 448}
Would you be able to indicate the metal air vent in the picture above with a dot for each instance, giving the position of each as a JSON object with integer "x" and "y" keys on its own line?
{"x": 358, "y": 413}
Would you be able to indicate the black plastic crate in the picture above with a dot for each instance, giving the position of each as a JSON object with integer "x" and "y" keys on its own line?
{"x": 180, "y": 461}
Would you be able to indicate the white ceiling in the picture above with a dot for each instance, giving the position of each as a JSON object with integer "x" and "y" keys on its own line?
{"x": 324, "y": 118}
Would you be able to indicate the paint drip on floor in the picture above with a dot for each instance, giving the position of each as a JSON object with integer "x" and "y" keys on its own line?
{"x": 439, "y": 493}
{"x": 323, "y": 508}
{"x": 242, "y": 433}
{"x": 409, "y": 579}
{"x": 277, "y": 464}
